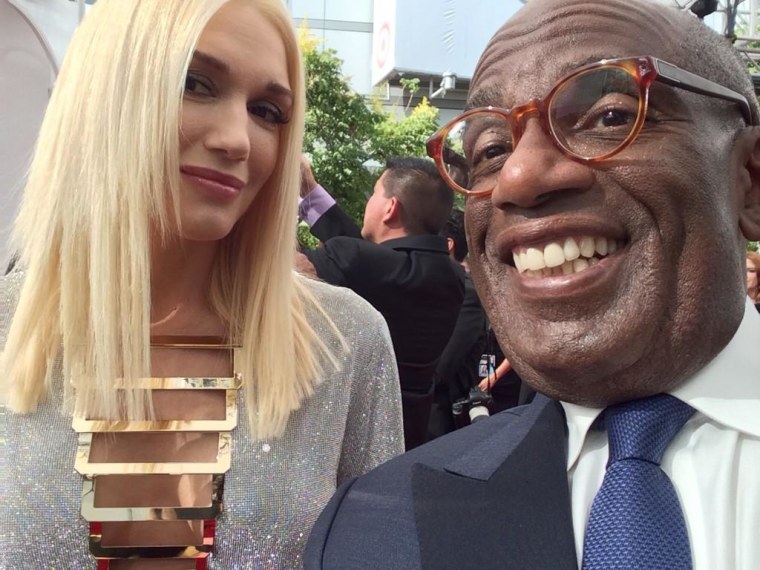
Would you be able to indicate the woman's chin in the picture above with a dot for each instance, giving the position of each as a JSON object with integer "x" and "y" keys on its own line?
{"x": 204, "y": 232}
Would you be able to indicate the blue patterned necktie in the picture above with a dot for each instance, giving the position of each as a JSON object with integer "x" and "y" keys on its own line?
{"x": 636, "y": 519}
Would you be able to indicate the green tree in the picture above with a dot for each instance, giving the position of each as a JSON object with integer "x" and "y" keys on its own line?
{"x": 344, "y": 134}
{"x": 732, "y": 11}
{"x": 412, "y": 85}
{"x": 405, "y": 136}
{"x": 339, "y": 129}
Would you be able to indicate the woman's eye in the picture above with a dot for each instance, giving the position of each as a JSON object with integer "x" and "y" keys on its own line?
{"x": 268, "y": 112}
{"x": 197, "y": 86}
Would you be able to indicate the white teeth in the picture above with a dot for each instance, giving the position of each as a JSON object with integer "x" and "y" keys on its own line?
{"x": 571, "y": 250}
{"x": 601, "y": 246}
{"x": 516, "y": 259}
{"x": 587, "y": 246}
{"x": 524, "y": 260}
{"x": 554, "y": 256}
{"x": 563, "y": 257}
{"x": 535, "y": 259}
{"x": 580, "y": 265}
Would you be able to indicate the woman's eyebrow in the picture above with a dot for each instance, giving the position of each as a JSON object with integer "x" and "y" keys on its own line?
{"x": 279, "y": 90}
{"x": 211, "y": 61}
{"x": 273, "y": 87}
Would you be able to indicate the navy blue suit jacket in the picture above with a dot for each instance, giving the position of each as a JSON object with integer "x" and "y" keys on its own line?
{"x": 493, "y": 495}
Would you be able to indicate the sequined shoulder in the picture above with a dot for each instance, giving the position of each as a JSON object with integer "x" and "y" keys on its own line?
{"x": 10, "y": 287}
{"x": 347, "y": 310}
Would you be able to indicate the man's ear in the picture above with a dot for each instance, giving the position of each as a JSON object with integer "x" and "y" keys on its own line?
{"x": 450, "y": 244}
{"x": 748, "y": 182}
{"x": 392, "y": 210}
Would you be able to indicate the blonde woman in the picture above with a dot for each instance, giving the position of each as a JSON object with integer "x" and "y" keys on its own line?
{"x": 161, "y": 357}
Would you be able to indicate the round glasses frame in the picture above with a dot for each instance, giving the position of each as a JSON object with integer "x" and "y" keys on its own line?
{"x": 645, "y": 70}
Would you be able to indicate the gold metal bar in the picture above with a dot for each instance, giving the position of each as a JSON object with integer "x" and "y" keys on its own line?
{"x": 169, "y": 551}
{"x": 84, "y": 467}
{"x": 185, "y": 383}
{"x": 206, "y": 342}
{"x": 82, "y": 425}
{"x": 91, "y": 513}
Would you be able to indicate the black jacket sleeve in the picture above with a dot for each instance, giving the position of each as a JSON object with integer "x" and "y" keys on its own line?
{"x": 333, "y": 223}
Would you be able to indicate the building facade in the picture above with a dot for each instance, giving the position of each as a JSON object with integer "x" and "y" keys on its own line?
{"x": 383, "y": 41}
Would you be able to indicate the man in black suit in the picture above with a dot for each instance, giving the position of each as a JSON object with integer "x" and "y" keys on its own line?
{"x": 457, "y": 370}
{"x": 401, "y": 266}
{"x": 613, "y": 169}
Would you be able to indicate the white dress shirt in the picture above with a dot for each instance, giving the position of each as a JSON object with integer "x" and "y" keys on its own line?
{"x": 714, "y": 461}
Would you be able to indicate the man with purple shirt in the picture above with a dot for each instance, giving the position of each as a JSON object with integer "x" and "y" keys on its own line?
{"x": 399, "y": 263}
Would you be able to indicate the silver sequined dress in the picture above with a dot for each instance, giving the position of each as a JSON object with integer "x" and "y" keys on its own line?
{"x": 274, "y": 490}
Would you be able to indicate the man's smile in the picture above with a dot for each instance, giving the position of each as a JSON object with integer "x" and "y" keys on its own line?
{"x": 563, "y": 256}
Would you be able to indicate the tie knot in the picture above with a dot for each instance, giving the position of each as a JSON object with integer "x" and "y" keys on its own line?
{"x": 643, "y": 429}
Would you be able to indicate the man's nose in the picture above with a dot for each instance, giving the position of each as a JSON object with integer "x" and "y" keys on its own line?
{"x": 537, "y": 170}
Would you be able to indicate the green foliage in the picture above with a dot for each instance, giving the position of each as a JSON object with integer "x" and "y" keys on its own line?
{"x": 752, "y": 246}
{"x": 305, "y": 238}
{"x": 339, "y": 127}
{"x": 344, "y": 134}
{"x": 412, "y": 85}
{"x": 405, "y": 137}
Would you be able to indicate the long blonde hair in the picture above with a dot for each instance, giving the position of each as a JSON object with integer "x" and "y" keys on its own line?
{"x": 107, "y": 153}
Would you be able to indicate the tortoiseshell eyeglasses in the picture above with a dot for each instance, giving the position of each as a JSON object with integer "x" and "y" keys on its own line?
{"x": 590, "y": 115}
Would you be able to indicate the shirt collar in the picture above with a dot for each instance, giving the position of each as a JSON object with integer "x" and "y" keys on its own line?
{"x": 727, "y": 390}
{"x": 427, "y": 242}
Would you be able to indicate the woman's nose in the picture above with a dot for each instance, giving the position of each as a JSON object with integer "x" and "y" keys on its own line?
{"x": 230, "y": 131}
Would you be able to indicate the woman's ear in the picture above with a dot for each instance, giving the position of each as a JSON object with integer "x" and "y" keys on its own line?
{"x": 748, "y": 182}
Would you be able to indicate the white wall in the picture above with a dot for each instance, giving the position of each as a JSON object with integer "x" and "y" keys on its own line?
{"x": 33, "y": 38}
{"x": 25, "y": 76}
{"x": 344, "y": 26}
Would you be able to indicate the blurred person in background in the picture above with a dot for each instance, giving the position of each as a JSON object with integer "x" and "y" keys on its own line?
{"x": 753, "y": 267}
{"x": 399, "y": 263}
{"x": 457, "y": 370}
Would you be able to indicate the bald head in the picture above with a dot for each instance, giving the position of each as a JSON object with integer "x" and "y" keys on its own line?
{"x": 683, "y": 39}
{"x": 640, "y": 316}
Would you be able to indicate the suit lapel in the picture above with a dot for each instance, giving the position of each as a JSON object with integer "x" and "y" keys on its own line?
{"x": 505, "y": 502}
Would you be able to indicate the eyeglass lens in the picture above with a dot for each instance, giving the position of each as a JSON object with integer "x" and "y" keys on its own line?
{"x": 589, "y": 115}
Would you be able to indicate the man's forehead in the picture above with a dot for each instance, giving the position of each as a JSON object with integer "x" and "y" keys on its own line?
{"x": 548, "y": 39}
{"x": 491, "y": 89}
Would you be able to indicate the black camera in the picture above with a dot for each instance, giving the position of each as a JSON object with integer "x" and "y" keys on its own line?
{"x": 471, "y": 409}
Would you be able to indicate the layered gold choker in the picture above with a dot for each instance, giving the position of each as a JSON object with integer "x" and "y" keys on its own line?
{"x": 102, "y": 515}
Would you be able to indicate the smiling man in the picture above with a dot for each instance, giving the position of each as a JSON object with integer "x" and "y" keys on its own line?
{"x": 611, "y": 160}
